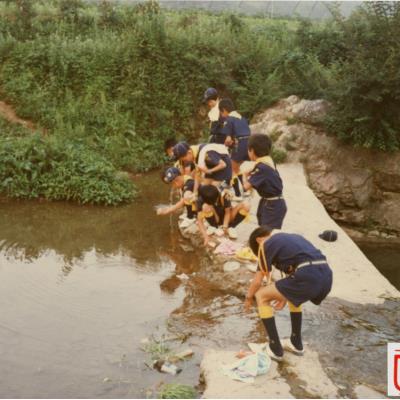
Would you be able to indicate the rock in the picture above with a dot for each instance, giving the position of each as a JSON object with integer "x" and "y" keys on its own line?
{"x": 231, "y": 266}
{"x": 186, "y": 248}
{"x": 356, "y": 185}
{"x": 365, "y": 392}
{"x": 373, "y": 233}
{"x": 310, "y": 111}
{"x": 182, "y": 277}
{"x": 252, "y": 267}
{"x": 184, "y": 353}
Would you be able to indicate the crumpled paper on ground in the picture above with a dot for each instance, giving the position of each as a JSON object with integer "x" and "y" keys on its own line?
{"x": 227, "y": 247}
{"x": 247, "y": 368}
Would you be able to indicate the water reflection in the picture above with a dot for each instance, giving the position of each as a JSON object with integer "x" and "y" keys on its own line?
{"x": 386, "y": 259}
{"x": 29, "y": 230}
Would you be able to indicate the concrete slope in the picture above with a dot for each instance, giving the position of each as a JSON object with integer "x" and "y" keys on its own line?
{"x": 356, "y": 280}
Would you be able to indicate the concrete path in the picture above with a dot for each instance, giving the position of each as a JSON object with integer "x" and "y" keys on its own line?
{"x": 356, "y": 280}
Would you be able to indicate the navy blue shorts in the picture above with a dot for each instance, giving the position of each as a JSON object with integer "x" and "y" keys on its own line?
{"x": 310, "y": 283}
{"x": 224, "y": 174}
{"x": 239, "y": 152}
{"x": 271, "y": 213}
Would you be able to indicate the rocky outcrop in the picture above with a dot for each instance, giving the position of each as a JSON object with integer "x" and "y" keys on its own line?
{"x": 357, "y": 186}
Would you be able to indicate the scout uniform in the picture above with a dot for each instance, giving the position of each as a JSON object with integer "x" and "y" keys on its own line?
{"x": 265, "y": 179}
{"x": 216, "y": 125}
{"x": 190, "y": 205}
{"x": 216, "y": 218}
{"x": 238, "y": 129}
{"x": 308, "y": 276}
{"x": 210, "y": 155}
{"x": 188, "y": 186}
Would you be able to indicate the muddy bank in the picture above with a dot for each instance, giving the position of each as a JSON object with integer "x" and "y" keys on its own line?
{"x": 355, "y": 323}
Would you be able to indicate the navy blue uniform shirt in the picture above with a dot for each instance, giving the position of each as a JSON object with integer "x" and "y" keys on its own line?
{"x": 221, "y": 204}
{"x": 235, "y": 127}
{"x": 188, "y": 184}
{"x": 266, "y": 180}
{"x": 285, "y": 250}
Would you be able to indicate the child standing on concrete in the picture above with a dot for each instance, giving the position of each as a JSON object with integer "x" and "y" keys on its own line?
{"x": 308, "y": 278}
{"x": 211, "y": 99}
{"x": 265, "y": 179}
{"x": 237, "y": 132}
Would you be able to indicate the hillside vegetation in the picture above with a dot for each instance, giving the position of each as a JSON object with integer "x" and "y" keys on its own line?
{"x": 109, "y": 83}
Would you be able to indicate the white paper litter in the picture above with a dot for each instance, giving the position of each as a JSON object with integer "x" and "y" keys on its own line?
{"x": 247, "y": 368}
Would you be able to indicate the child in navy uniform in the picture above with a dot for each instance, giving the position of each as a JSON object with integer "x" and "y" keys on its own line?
{"x": 308, "y": 278}
{"x": 211, "y": 159}
{"x": 185, "y": 183}
{"x": 216, "y": 121}
{"x": 215, "y": 207}
{"x": 237, "y": 132}
{"x": 266, "y": 180}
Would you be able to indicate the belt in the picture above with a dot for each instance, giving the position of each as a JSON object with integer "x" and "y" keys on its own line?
{"x": 307, "y": 263}
{"x": 242, "y": 137}
{"x": 273, "y": 198}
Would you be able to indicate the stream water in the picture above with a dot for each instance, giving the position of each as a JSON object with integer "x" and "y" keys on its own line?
{"x": 81, "y": 287}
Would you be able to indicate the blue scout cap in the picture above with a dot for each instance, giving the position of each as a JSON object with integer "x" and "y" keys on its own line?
{"x": 170, "y": 174}
{"x": 180, "y": 150}
{"x": 329, "y": 236}
{"x": 209, "y": 93}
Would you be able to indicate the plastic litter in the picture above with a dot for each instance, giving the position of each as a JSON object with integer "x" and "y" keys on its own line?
{"x": 167, "y": 367}
{"x": 227, "y": 247}
{"x": 182, "y": 277}
{"x": 170, "y": 368}
{"x": 185, "y": 353}
{"x": 246, "y": 254}
{"x": 250, "y": 366}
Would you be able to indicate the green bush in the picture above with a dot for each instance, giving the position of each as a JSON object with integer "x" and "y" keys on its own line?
{"x": 362, "y": 55}
{"x": 114, "y": 80}
{"x": 279, "y": 156}
{"x": 177, "y": 391}
{"x": 33, "y": 167}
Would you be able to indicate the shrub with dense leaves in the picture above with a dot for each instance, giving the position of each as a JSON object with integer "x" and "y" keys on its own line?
{"x": 33, "y": 167}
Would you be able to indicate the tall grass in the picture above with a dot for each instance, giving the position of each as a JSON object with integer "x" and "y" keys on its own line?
{"x": 119, "y": 79}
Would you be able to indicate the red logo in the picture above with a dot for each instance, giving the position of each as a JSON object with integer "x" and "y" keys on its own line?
{"x": 396, "y": 370}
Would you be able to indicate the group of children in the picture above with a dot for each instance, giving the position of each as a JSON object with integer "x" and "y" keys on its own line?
{"x": 214, "y": 189}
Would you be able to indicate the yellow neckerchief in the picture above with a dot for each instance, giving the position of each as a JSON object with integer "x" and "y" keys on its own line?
{"x": 267, "y": 160}
{"x": 262, "y": 262}
{"x": 235, "y": 114}
{"x": 195, "y": 150}
{"x": 187, "y": 178}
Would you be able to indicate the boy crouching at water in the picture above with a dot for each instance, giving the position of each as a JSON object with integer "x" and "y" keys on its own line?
{"x": 210, "y": 159}
{"x": 215, "y": 207}
{"x": 265, "y": 179}
{"x": 185, "y": 183}
{"x": 308, "y": 278}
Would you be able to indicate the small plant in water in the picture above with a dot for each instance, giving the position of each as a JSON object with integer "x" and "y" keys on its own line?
{"x": 157, "y": 349}
{"x": 178, "y": 391}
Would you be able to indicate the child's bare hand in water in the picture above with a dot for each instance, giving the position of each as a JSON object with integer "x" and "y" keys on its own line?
{"x": 162, "y": 211}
